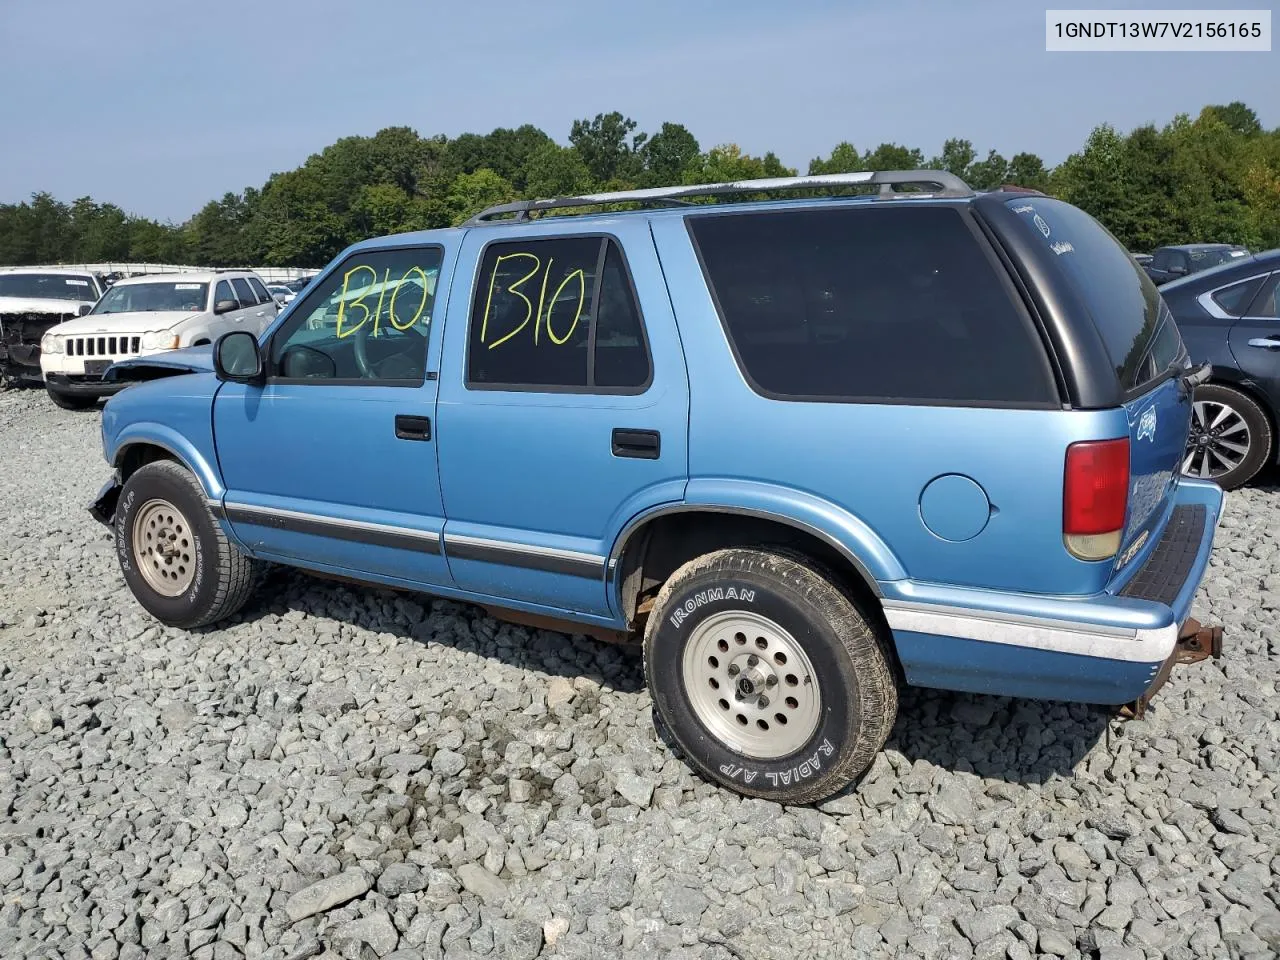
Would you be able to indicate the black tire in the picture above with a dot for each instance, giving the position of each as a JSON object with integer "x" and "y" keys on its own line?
{"x": 1261, "y": 434}
{"x": 70, "y": 401}
{"x": 858, "y": 691}
{"x": 224, "y": 578}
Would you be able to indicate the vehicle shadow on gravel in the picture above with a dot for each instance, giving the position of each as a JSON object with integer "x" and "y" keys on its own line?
{"x": 1016, "y": 741}
{"x": 425, "y": 619}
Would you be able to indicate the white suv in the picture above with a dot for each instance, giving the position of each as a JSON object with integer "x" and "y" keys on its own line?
{"x": 146, "y": 315}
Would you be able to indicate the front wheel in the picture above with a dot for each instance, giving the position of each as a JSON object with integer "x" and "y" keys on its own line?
{"x": 768, "y": 677}
{"x": 1231, "y": 437}
{"x": 173, "y": 553}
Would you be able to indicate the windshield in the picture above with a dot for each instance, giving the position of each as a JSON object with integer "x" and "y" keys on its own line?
{"x": 1204, "y": 259}
{"x": 152, "y": 297}
{"x": 47, "y": 286}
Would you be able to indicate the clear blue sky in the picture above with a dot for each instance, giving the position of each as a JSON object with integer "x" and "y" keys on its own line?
{"x": 162, "y": 107}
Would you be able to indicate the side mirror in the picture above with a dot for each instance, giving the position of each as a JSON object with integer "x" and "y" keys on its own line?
{"x": 83, "y": 309}
{"x": 226, "y": 306}
{"x": 236, "y": 357}
{"x": 1178, "y": 271}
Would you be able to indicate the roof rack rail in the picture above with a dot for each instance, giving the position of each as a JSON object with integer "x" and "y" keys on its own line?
{"x": 945, "y": 185}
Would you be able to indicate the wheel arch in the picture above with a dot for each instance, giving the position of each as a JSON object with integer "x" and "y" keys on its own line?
{"x": 137, "y": 450}
{"x": 1258, "y": 396}
{"x": 657, "y": 542}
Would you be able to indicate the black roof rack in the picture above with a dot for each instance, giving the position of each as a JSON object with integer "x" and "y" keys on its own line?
{"x": 944, "y": 184}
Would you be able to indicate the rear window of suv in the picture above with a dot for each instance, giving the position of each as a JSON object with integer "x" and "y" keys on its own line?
{"x": 1125, "y": 305}
{"x": 871, "y": 304}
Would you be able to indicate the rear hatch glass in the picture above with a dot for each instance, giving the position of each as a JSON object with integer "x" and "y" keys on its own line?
{"x": 1141, "y": 339}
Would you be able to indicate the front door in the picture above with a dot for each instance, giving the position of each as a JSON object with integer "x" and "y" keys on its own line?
{"x": 564, "y": 408}
{"x": 332, "y": 462}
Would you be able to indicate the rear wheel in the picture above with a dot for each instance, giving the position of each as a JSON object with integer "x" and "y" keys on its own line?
{"x": 768, "y": 677}
{"x": 71, "y": 401}
{"x": 173, "y": 553}
{"x": 1231, "y": 437}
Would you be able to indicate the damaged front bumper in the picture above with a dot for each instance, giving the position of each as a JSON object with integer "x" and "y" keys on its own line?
{"x": 103, "y": 508}
{"x": 20, "y": 336}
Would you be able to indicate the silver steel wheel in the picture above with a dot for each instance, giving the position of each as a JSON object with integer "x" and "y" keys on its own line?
{"x": 164, "y": 548}
{"x": 751, "y": 685}
{"x": 1219, "y": 440}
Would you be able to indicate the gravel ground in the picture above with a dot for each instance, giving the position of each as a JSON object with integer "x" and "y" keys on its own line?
{"x": 356, "y": 773}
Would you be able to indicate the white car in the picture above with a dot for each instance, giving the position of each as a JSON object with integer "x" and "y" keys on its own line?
{"x": 32, "y": 300}
{"x": 282, "y": 293}
{"x": 146, "y": 315}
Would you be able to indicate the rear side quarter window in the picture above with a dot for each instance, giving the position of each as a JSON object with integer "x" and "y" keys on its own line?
{"x": 1124, "y": 303}
{"x": 871, "y": 304}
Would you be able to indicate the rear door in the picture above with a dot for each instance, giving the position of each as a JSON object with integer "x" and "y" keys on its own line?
{"x": 1255, "y": 339}
{"x": 1141, "y": 340}
{"x": 563, "y": 409}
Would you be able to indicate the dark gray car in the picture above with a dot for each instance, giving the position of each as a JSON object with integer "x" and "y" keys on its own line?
{"x": 1170, "y": 263}
{"x": 1229, "y": 316}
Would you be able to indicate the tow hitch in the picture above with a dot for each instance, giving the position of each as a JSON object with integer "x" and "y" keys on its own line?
{"x": 1195, "y": 642}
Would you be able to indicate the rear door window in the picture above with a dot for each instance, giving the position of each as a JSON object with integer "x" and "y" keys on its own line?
{"x": 1236, "y": 298}
{"x": 1123, "y": 301}
{"x": 873, "y": 304}
{"x": 244, "y": 292}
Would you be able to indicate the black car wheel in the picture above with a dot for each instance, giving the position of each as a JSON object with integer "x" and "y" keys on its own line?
{"x": 1231, "y": 437}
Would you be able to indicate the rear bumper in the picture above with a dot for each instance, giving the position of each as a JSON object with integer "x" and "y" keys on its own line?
{"x": 1110, "y": 648}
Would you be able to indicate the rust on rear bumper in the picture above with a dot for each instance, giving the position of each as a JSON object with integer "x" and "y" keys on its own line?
{"x": 1195, "y": 642}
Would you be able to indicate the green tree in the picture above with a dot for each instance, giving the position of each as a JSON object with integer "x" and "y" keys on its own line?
{"x": 473, "y": 192}
{"x": 556, "y": 171}
{"x": 844, "y": 158}
{"x": 605, "y": 148}
{"x": 667, "y": 154}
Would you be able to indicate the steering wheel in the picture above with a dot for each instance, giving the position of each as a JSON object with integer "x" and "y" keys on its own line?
{"x": 360, "y": 350}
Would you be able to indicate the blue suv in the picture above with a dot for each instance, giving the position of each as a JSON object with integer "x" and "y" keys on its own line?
{"x": 804, "y": 450}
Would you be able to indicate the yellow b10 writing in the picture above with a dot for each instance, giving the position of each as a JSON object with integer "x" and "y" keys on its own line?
{"x": 346, "y": 329}
{"x": 541, "y": 320}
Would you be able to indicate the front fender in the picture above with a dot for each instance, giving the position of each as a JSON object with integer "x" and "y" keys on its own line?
{"x": 181, "y": 448}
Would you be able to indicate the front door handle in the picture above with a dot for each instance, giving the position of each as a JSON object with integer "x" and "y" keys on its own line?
{"x": 641, "y": 444}
{"x": 413, "y": 428}
{"x": 1266, "y": 343}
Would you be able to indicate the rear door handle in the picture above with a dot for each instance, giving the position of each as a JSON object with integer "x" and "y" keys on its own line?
{"x": 412, "y": 428}
{"x": 1266, "y": 343}
{"x": 641, "y": 444}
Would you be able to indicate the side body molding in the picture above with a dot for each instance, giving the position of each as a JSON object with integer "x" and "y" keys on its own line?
{"x": 841, "y": 530}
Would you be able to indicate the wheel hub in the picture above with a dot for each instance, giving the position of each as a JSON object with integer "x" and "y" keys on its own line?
{"x": 163, "y": 548}
{"x": 1219, "y": 440}
{"x": 751, "y": 685}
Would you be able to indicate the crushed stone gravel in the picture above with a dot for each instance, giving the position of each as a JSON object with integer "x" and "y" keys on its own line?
{"x": 346, "y": 772}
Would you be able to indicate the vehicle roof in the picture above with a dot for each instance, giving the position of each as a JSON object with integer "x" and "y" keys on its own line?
{"x": 601, "y": 221}
{"x": 57, "y": 271}
{"x": 193, "y": 276}
{"x": 1201, "y": 246}
{"x": 1266, "y": 260}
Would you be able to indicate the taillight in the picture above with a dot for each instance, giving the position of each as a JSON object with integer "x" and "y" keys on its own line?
{"x": 1094, "y": 497}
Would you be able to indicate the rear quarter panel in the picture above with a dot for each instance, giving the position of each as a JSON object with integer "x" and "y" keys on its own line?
{"x": 874, "y": 460}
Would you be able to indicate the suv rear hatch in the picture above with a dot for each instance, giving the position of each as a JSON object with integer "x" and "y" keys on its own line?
{"x": 1143, "y": 347}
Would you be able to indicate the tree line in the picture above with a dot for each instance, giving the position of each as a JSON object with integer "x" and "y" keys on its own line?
{"x": 1212, "y": 178}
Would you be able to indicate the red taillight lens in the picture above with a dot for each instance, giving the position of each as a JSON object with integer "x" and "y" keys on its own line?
{"x": 1095, "y": 495}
